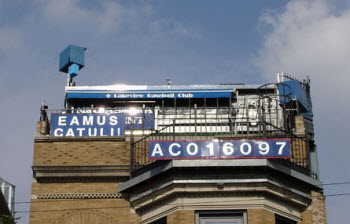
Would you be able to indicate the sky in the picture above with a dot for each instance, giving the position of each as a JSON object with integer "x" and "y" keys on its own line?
{"x": 191, "y": 42}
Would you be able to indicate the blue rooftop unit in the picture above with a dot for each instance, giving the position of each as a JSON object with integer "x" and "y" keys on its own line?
{"x": 72, "y": 60}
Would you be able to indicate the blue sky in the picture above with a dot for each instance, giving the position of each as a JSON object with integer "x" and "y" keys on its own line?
{"x": 192, "y": 42}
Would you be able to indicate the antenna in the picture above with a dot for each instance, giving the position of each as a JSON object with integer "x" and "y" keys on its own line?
{"x": 168, "y": 82}
{"x": 71, "y": 61}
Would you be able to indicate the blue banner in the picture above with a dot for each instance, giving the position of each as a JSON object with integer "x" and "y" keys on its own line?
{"x": 89, "y": 125}
{"x": 224, "y": 149}
{"x": 140, "y": 121}
{"x": 226, "y": 93}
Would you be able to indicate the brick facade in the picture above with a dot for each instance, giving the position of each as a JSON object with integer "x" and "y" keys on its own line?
{"x": 316, "y": 212}
{"x": 81, "y": 153}
{"x": 86, "y": 196}
{"x": 67, "y": 188}
{"x": 260, "y": 216}
{"x": 183, "y": 217}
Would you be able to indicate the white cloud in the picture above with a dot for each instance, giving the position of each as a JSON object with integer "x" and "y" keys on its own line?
{"x": 72, "y": 13}
{"x": 109, "y": 16}
{"x": 165, "y": 26}
{"x": 308, "y": 38}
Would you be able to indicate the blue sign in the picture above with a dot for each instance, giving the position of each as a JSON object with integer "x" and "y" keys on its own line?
{"x": 142, "y": 119}
{"x": 223, "y": 149}
{"x": 150, "y": 94}
{"x": 90, "y": 125}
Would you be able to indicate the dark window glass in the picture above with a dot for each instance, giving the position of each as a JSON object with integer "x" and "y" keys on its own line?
{"x": 283, "y": 220}
{"x": 160, "y": 221}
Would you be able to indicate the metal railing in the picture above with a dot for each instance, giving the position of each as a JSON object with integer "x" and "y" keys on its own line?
{"x": 299, "y": 144}
{"x": 263, "y": 115}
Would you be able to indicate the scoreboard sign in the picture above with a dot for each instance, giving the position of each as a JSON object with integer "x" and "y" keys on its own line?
{"x": 223, "y": 149}
{"x": 89, "y": 125}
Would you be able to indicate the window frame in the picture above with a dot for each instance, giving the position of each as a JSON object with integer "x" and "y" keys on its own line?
{"x": 283, "y": 220}
{"x": 239, "y": 215}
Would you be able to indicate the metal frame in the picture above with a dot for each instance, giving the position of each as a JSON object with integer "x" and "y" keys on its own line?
{"x": 229, "y": 215}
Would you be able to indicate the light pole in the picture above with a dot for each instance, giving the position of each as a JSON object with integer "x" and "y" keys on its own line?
{"x": 132, "y": 112}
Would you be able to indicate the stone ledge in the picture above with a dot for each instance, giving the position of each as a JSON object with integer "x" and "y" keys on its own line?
{"x": 80, "y": 196}
{"x": 79, "y": 172}
{"x": 201, "y": 164}
{"x": 44, "y": 138}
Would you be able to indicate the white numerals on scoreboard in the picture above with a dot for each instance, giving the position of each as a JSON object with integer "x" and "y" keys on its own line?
{"x": 219, "y": 149}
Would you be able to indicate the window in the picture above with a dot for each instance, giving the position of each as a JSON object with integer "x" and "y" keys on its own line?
{"x": 160, "y": 221}
{"x": 283, "y": 220}
{"x": 221, "y": 217}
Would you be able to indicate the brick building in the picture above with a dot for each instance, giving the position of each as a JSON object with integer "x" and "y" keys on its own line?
{"x": 229, "y": 153}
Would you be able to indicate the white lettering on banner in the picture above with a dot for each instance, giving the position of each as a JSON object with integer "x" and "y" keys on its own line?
{"x": 211, "y": 148}
{"x": 70, "y": 133}
{"x": 171, "y": 149}
{"x": 188, "y": 149}
{"x": 101, "y": 132}
{"x": 58, "y": 130}
{"x": 185, "y": 95}
{"x": 62, "y": 121}
{"x": 249, "y": 148}
{"x": 137, "y": 95}
{"x": 228, "y": 149}
{"x": 99, "y": 122}
{"x": 90, "y": 125}
{"x": 281, "y": 144}
{"x": 80, "y": 130}
{"x": 88, "y": 120}
{"x": 225, "y": 149}
{"x": 135, "y": 120}
{"x": 160, "y": 95}
{"x": 74, "y": 121}
{"x": 264, "y": 148}
{"x": 90, "y": 133}
{"x": 84, "y": 110}
{"x": 157, "y": 150}
{"x": 113, "y": 120}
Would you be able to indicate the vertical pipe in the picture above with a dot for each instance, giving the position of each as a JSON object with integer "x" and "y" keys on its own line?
{"x": 143, "y": 118}
{"x": 277, "y": 111}
{"x": 190, "y": 115}
{"x": 263, "y": 118}
{"x": 144, "y": 152}
{"x": 205, "y": 114}
{"x": 297, "y": 104}
{"x": 131, "y": 145}
{"x": 217, "y": 115}
{"x": 237, "y": 95}
{"x": 174, "y": 130}
{"x": 230, "y": 116}
{"x": 195, "y": 119}
{"x": 284, "y": 109}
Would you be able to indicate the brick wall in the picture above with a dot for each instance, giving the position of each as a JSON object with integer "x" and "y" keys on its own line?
{"x": 316, "y": 212}
{"x": 102, "y": 211}
{"x": 260, "y": 216}
{"x": 79, "y": 153}
{"x": 101, "y": 203}
{"x": 183, "y": 217}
